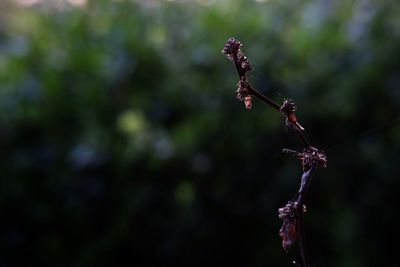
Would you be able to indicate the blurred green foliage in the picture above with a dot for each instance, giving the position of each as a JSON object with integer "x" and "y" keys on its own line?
{"x": 122, "y": 142}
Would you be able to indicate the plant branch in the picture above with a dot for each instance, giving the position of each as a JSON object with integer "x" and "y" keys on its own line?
{"x": 245, "y": 91}
{"x": 311, "y": 158}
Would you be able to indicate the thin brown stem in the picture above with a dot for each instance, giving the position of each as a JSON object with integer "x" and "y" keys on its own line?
{"x": 302, "y": 241}
{"x": 263, "y": 98}
{"x": 303, "y": 138}
{"x": 301, "y": 236}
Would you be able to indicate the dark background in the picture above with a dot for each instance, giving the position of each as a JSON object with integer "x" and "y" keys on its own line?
{"x": 122, "y": 142}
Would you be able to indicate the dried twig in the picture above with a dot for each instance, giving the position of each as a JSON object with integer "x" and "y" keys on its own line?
{"x": 311, "y": 158}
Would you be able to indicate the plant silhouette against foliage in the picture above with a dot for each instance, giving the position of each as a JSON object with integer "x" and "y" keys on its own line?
{"x": 311, "y": 158}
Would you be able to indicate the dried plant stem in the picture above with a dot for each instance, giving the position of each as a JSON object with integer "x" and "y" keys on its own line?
{"x": 311, "y": 158}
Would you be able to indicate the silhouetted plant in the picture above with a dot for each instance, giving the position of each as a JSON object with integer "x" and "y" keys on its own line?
{"x": 311, "y": 158}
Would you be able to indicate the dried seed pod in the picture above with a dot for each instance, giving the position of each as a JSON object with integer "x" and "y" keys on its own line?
{"x": 288, "y": 232}
{"x": 291, "y": 122}
{"x": 248, "y": 101}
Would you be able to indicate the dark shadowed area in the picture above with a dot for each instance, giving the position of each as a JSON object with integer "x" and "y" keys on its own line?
{"x": 122, "y": 142}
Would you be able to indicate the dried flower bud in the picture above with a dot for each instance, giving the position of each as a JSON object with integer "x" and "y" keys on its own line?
{"x": 288, "y": 106}
{"x": 313, "y": 157}
{"x": 233, "y": 52}
{"x": 231, "y": 48}
{"x": 242, "y": 90}
{"x": 287, "y": 109}
{"x": 310, "y": 157}
{"x": 243, "y": 61}
{"x": 243, "y": 93}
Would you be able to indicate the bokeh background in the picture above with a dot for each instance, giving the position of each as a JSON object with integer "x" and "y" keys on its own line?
{"x": 122, "y": 142}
